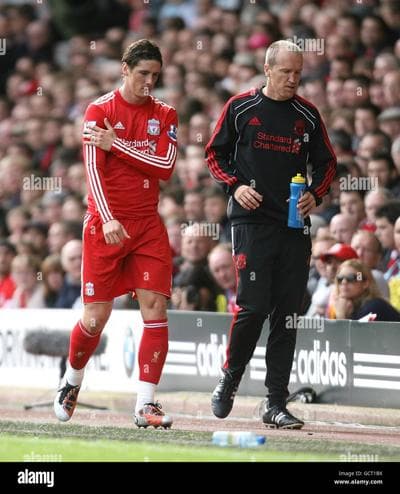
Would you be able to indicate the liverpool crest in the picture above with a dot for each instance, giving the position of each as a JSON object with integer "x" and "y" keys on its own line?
{"x": 153, "y": 127}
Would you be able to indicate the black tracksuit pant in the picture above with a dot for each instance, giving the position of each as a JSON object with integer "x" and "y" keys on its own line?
{"x": 272, "y": 264}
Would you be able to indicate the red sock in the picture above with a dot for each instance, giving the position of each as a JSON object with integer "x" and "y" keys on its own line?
{"x": 153, "y": 350}
{"x": 81, "y": 346}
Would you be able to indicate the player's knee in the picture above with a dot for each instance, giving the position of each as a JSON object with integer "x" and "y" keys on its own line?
{"x": 94, "y": 325}
{"x": 155, "y": 307}
{"x": 257, "y": 314}
{"x": 95, "y": 318}
{"x": 260, "y": 317}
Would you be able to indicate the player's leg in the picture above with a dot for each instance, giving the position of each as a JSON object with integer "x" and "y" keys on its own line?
{"x": 102, "y": 268}
{"x": 289, "y": 288}
{"x": 152, "y": 353}
{"x": 83, "y": 342}
{"x": 148, "y": 272}
{"x": 254, "y": 251}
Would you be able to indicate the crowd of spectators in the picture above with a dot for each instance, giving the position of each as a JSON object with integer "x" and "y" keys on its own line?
{"x": 58, "y": 56}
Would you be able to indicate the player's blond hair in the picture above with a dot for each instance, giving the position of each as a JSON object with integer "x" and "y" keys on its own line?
{"x": 276, "y": 47}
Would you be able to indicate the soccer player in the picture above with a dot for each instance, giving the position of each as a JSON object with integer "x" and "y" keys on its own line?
{"x": 262, "y": 139}
{"x": 129, "y": 144}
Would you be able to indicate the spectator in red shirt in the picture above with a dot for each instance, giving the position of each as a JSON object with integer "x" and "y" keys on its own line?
{"x": 7, "y": 284}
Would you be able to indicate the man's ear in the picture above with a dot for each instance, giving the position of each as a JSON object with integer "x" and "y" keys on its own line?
{"x": 266, "y": 69}
{"x": 124, "y": 69}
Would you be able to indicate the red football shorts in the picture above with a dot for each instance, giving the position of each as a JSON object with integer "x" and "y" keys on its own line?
{"x": 143, "y": 261}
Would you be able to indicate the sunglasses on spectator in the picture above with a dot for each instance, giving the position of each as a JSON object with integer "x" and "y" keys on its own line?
{"x": 350, "y": 278}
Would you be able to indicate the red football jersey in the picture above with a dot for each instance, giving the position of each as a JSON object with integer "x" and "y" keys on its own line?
{"x": 124, "y": 182}
{"x": 7, "y": 289}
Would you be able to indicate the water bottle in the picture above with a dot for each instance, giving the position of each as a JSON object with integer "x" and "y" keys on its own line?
{"x": 297, "y": 186}
{"x": 243, "y": 439}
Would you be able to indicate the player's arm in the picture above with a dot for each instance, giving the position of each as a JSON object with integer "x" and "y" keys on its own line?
{"x": 95, "y": 162}
{"x": 159, "y": 165}
{"x": 219, "y": 151}
{"x": 323, "y": 161}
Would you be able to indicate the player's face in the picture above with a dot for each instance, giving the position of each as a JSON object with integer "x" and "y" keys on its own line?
{"x": 284, "y": 76}
{"x": 141, "y": 79}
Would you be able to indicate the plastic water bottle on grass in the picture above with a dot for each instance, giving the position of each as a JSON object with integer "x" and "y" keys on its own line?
{"x": 242, "y": 439}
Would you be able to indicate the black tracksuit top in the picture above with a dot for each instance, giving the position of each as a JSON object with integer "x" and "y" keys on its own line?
{"x": 263, "y": 143}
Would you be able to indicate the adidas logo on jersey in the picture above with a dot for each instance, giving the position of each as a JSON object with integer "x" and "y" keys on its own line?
{"x": 119, "y": 125}
{"x": 254, "y": 121}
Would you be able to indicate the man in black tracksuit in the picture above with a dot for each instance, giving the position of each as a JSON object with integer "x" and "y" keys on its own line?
{"x": 263, "y": 138}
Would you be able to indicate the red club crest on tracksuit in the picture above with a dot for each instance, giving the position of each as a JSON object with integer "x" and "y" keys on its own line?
{"x": 241, "y": 260}
{"x": 299, "y": 127}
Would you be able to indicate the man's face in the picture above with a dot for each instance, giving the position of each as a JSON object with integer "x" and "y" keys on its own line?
{"x": 334, "y": 92}
{"x": 222, "y": 268}
{"x": 341, "y": 229}
{"x": 331, "y": 266}
{"x": 214, "y": 209}
{"x": 56, "y": 237}
{"x": 380, "y": 170}
{"x": 364, "y": 121}
{"x": 366, "y": 250}
{"x": 72, "y": 258}
{"x": 397, "y": 234}
{"x": 142, "y": 78}
{"x": 24, "y": 276}
{"x": 369, "y": 145}
{"x": 193, "y": 207}
{"x": 384, "y": 232}
{"x": 391, "y": 128}
{"x": 352, "y": 205}
{"x": 194, "y": 247}
{"x": 319, "y": 248}
{"x": 284, "y": 76}
{"x": 372, "y": 202}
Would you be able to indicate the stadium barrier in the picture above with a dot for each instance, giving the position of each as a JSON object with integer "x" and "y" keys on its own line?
{"x": 345, "y": 362}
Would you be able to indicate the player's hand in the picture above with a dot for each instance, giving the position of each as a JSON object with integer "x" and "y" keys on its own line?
{"x": 306, "y": 203}
{"x": 248, "y": 197}
{"x": 343, "y": 307}
{"x": 102, "y": 138}
{"x": 114, "y": 232}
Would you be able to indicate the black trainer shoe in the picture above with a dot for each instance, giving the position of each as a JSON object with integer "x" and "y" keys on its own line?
{"x": 224, "y": 394}
{"x": 278, "y": 417}
{"x": 65, "y": 401}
